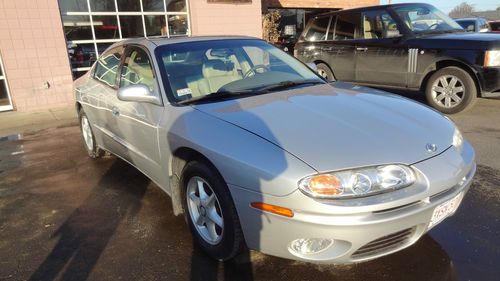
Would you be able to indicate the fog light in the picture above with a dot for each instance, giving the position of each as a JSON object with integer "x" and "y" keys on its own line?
{"x": 308, "y": 246}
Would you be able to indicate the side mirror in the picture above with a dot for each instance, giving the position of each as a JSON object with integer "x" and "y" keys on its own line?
{"x": 138, "y": 93}
{"x": 312, "y": 66}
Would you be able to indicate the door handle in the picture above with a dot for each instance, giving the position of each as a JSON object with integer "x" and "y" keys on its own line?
{"x": 361, "y": 49}
{"x": 115, "y": 111}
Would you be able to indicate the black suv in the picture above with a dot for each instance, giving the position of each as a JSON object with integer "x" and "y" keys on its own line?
{"x": 407, "y": 46}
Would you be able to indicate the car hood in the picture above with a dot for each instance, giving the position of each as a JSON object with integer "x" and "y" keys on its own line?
{"x": 332, "y": 127}
{"x": 461, "y": 40}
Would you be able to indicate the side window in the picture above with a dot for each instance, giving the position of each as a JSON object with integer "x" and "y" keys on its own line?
{"x": 106, "y": 68}
{"x": 379, "y": 24}
{"x": 317, "y": 30}
{"x": 347, "y": 26}
{"x": 137, "y": 69}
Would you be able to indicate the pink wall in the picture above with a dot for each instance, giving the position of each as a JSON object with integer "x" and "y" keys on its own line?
{"x": 226, "y": 19}
{"x": 33, "y": 49}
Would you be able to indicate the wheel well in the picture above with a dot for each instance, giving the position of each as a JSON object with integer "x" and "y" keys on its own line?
{"x": 180, "y": 158}
{"x": 446, "y": 63}
{"x": 325, "y": 63}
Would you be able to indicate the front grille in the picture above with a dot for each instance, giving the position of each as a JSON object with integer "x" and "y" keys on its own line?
{"x": 384, "y": 244}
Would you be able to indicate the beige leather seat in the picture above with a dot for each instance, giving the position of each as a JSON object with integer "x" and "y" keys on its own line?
{"x": 216, "y": 74}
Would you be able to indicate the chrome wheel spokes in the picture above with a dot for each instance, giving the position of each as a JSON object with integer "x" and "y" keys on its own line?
{"x": 87, "y": 133}
{"x": 204, "y": 209}
{"x": 448, "y": 91}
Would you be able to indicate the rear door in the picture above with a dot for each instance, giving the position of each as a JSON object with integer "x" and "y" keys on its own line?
{"x": 381, "y": 54}
{"x": 100, "y": 92}
{"x": 341, "y": 43}
{"x": 314, "y": 40}
{"x": 134, "y": 125}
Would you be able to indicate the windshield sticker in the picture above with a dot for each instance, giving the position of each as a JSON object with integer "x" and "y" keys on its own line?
{"x": 184, "y": 92}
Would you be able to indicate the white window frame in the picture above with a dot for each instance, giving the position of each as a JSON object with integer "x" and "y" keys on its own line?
{"x": 3, "y": 79}
{"x": 116, "y": 13}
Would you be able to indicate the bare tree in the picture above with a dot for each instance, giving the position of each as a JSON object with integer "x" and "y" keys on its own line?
{"x": 462, "y": 11}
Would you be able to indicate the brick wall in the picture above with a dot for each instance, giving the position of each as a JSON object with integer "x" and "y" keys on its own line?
{"x": 345, "y": 4}
{"x": 226, "y": 19}
{"x": 33, "y": 49}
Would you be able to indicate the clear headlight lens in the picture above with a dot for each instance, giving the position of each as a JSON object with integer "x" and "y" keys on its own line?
{"x": 458, "y": 140}
{"x": 357, "y": 182}
{"x": 492, "y": 58}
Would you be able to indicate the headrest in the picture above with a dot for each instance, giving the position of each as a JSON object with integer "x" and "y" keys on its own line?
{"x": 214, "y": 68}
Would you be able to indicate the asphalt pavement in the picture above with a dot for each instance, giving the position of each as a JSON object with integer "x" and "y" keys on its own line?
{"x": 64, "y": 216}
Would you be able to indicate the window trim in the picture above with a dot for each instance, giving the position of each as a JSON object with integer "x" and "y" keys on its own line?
{"x": 94, "y": 67}
{"x": 3, "y": 79}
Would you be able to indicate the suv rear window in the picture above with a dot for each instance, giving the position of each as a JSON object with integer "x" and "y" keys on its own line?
{"x": 317, "y": 30}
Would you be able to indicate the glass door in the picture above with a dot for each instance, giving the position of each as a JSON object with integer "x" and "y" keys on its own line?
{"x": 5, "y": 101}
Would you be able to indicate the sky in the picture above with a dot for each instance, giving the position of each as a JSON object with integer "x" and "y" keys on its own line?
{"x": 447, "y": 5}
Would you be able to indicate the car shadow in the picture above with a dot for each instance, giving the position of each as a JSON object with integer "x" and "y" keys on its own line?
{"x": 84, "y": 235}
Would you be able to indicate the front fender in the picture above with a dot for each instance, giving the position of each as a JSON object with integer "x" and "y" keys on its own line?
{"x": 241, "y": 157}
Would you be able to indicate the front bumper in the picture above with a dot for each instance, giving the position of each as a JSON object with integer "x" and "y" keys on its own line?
{"x": 360, "y": 231}
{"x": 490, "y": 81}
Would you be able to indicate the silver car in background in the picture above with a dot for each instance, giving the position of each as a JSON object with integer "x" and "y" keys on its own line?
{"x": 259, "y": 152}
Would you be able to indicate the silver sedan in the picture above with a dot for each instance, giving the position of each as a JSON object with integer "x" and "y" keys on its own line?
{"x": 259, "y": 152}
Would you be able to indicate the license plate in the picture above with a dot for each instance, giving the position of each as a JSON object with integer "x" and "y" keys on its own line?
{"x": 445, "y": 209}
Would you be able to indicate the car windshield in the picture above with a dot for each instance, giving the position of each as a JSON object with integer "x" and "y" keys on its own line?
{"x": 218, "y": 69}
{"x": 423, "y": 19}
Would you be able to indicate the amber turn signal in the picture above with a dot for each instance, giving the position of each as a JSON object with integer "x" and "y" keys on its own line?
{"x": 273, "y": 209}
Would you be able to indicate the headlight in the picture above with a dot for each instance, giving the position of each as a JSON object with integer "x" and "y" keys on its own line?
{"x": 458, "y": 140}
{"x": 357, "y": 182}
{"x": 492, "y": 58}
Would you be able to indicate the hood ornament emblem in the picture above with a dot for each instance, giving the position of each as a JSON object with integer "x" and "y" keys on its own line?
{"x": 430, "y": 147}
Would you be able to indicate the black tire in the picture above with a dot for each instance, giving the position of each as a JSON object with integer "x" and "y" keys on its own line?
{"x": 93, "y": 151}
{"x": 446, "y": 101}
{"x": 325, "y": 72}
{"x": 232, "y": 242}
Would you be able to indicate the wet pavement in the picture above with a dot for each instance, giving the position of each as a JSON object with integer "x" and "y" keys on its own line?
{"x": 64, "y": 216}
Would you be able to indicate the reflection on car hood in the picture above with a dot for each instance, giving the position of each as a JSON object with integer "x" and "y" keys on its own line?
{"x": 339, "y": 126}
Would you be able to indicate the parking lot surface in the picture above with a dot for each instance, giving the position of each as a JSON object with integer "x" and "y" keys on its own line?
{"x": 64, "y": 216}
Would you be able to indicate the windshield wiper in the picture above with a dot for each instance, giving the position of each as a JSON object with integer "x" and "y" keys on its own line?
{"x": 216, "y": 96}
{"x": 288, "y": 84}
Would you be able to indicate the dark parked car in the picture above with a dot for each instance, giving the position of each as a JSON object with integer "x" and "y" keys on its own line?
{"x": 407, "y": 46}
{"x": 495, "y": 26}
{"x": 474, "y": 24}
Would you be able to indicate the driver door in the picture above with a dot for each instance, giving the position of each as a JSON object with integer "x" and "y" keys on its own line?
{"x": 381, "y": 54}
{"x": 135, "y": 124}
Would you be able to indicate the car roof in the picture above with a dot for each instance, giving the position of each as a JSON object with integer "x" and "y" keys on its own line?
{"x": 163, "y": 40}
{"x": 374, "y": 7}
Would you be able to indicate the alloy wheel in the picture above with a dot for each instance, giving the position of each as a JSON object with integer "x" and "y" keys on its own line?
{"x": 205, "y": 211}
{"x": 448, "y": 91}
{"x": 87, "y": 133}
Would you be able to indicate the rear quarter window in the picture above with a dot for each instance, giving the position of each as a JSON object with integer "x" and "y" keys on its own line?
{"x": 318, "y": 28}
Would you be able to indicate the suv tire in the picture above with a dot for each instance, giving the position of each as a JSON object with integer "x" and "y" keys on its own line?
{"x": 451, "y": 90}
{"x": 325, "y": 72}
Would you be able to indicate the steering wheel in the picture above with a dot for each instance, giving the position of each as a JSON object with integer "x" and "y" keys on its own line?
{"x": 254, "y": 68}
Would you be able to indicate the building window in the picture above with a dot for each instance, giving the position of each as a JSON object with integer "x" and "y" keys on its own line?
{"x": 91, "y": 26}
{"x": 5, "y": 100}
